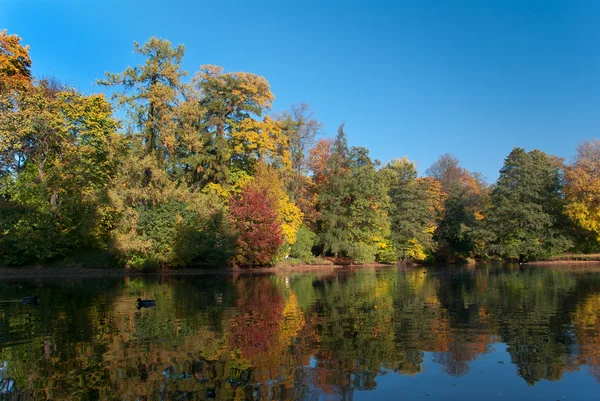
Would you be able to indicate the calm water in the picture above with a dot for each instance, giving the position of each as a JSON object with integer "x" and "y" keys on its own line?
{"x": 460, "y": 334}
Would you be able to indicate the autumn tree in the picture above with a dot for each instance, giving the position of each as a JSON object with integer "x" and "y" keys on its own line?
{"x": 151, "y": 93}
{"x": 460, "y": 224}
{"x": 233, "y": 126}
{"x": 62, "y": 159}
{"x": 582, "y": 189}
{"x": 254, "y": 217}
{"x": 415, "y": 209}
{"x": 15, "y": 82}
{"x": 301, "y": 128}
{"x": 15, "y": 64}
{"x": 55, "y": 160}
{"x": 268, "y": 179}
{"x": 525, "y": 217}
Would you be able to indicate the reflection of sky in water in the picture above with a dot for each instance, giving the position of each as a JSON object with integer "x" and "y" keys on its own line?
{"x": 453, "y": 334}
{"x": 487, "y": 380}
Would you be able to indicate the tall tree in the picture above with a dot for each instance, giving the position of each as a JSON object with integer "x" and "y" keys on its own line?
{"x": 525, "y": 219}
{"x": 63, "y": 161}
{"x": 301, "y": 129}
{"x": 151, "y": 93}
{"x": 15, "y": 64}
{"x": 369, "y": 226}
{"x": 459, "y": 228}
{"x": 352, "y": 202}
{"x": 15, "y": 84}
{"x": 416, "y": 205}
{"x": 235, "y": 132}
{"x": 582, "y": 188}
{"x": 334, "y": 195}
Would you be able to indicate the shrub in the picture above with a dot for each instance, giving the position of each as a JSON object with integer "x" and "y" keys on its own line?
{"x": 305, "y": 240}
{"x": 254, "y": 218}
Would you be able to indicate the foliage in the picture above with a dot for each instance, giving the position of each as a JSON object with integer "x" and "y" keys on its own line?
{"x": 525, "y": 218}
{"x": 150, "y": 94}
{"x": 459, "y": 230}
{"x": 15, "y": 63}
{"x": 416, "y": 205}
{"x": 254, "y": 217}
{"x": 582, "y": 188}
{"x": 268, "y": 180}
{"x": 178, "y": 179}
{"x": 305, "y": 241}
{"x": 58, "y": 160}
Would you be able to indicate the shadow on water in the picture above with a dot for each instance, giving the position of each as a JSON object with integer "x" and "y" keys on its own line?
{"x": 460, "y": 333}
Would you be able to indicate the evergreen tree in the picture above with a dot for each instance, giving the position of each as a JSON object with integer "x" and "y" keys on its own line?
{"x": 526, "y": 215}
{"x": 151, "y": 93}
{"x": 460, "y": 223}
{"x": 415, "y": 206}
{"x": 334, "y": 198}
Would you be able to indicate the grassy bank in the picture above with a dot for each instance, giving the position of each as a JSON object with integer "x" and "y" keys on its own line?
{"x": 568, "y": 258}
{"x": 102, "y": 264}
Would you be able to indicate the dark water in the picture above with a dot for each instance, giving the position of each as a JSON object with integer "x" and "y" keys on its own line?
{"x": 460, "y": 334}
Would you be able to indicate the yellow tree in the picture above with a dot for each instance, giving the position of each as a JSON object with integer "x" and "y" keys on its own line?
{"x": 582, "y": 187}
{"x": 235, "y": 133}
{"x": 288, "y": 215}
{"x": 15, "y": 64}
{"x": 151, "y": 94}
{"x": 15, "y": 82}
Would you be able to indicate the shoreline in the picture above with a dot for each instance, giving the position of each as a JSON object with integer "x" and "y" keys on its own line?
{"x": 562, "y": 262}
{"x": 78, "y": 272}
{"x": 104, "y": 272}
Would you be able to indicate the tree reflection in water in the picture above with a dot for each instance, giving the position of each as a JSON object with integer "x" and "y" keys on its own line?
{"x": 290, "y": 336}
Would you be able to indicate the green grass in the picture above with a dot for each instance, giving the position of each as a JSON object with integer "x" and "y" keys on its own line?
{"x": 576, "y": 256}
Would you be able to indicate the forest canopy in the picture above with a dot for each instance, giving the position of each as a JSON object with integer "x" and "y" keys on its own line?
{"x": 171, "y": 169}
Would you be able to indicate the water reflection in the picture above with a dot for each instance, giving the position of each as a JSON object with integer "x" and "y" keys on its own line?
{"x": 303, "y": 336}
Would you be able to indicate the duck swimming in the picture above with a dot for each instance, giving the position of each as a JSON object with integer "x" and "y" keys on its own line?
{"x": 30, "y": 300}
{"x": 145, "y": 303}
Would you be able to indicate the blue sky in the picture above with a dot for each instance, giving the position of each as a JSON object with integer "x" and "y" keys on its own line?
{"x": 416, "y": 79}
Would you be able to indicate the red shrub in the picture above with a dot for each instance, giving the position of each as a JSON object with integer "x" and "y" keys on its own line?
{"x": 259, "y": 234}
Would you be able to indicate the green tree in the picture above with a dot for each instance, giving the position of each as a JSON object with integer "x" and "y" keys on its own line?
{"x": 352, "y": 203}
{"x": 457, "y": 234}
{"x": 63, "y": 159}
{"x": 234, "y": 132}
{"x": 334, "y": 195}
{"x": 415, "y": 207}
{"x": 525, "y": 219}
{"x": 151, "y": 93}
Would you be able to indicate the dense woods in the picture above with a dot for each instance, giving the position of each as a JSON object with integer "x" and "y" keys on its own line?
{"x": 168, "y": 170}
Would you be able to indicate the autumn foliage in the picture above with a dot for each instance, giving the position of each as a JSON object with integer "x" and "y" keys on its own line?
{"x": 175, "y": 171}
{"x": 254, "y": 217}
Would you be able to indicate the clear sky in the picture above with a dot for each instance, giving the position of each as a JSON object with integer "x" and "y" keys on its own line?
{"x": 419, "y": 78}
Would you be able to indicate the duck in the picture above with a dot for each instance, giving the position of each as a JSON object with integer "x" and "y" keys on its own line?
{"x": 30, "y": 300}
{"x": 145, "y": 303}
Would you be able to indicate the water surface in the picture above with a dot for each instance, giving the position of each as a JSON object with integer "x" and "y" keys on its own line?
{"x": 485, "y": 333}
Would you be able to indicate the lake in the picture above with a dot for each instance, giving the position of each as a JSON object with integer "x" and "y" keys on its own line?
{"x": 484, "y": 333}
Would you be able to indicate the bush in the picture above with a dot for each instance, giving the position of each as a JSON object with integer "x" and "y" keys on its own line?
{"x": 362, "y": 253}
{"x": 387, "y": 255}
{"x": 305, "y": 240}
{"x": 254, "y": 218}
{"x": 175, "y": 234}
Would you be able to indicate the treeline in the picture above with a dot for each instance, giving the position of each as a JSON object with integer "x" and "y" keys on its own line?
{"x": 190, "y": 172}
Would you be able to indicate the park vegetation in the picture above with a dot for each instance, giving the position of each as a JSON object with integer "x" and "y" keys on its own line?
{"x": 166, "y": 170}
